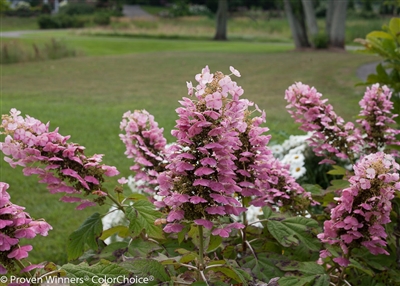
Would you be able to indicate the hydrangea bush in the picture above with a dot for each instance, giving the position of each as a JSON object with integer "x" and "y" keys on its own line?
{"x": 219, "y": 205}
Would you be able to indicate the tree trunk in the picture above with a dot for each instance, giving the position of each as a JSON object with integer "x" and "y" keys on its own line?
{"x": 338, "y": 27}
{"x": 311, "y": 20}
{"x": 297, "y": 27}
{"x": 329, "y": 16}
{"x": 222, "y": 19}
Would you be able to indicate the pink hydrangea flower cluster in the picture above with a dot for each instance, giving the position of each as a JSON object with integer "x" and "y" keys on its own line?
{"x": 363, "y": 208}
{"x": 144, "y": 142}
{"x": 263, "y": 177}
{"x": 15, "y": 224}
{"x": 331, "y": 135}
{"x": 61, "y": 165}
{"x": 376, "y": 118}
{"x": 220, "y": 157}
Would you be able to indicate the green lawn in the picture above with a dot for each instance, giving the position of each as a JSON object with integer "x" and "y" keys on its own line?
{"x": 86, "y": 97}
{"x": 103, "y": 45}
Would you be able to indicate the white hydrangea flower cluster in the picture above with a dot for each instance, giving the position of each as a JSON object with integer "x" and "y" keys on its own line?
{"x": 291, "y": 152}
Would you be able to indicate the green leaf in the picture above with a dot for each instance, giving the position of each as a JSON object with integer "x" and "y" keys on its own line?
{"x": 295, "y": 281}
{"x": 215, "y": 242}
{"x": 182, "y": 234}
{"x": 338, "y": 185}
{"x": 394, "y": 26}
{"x": 337, "y": 170}
{"x": 381, "y": 72}
{"x": 86, "y": 275}
{"x": 142, "y": 248}
{"x": 194, "y": 235}
{"x": 188, "y": 257}
{"x": 293, "y": 231}
{"x": 355, "y": 264}
{"x": 231, "y": 273}
{"x": 315, "y": 190}
{"x": 87, "y": 233}
{"x": 310, "y": 271}
{"x": 311, "y": 268}
{"x": 146, "y": 268}
{"x": 380, "y": 34}
{"x": 142, "y": 216}
{"x": 136, "y": 197}
{"x": 229, "y": 252}
{"x": 114, "y": 250}
{"x": 121, "y": 230}
{"x": 266, "y": 212}
{"x": 263, "y": 267}
{"x": 321, "y": 280}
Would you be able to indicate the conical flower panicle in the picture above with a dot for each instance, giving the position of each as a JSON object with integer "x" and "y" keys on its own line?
{"x": 61, "y": 165}
{"x": 144, "y": 142}
{"x": 364, "y": 207}
{"x": 271, "y": 182}
{"x": 16, "y": 224}
{"x": 376, "y": 117}
{"x": 332, "y": 136}
{"x": 200, "y": 182}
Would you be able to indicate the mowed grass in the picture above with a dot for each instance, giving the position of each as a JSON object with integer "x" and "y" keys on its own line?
{"x": 103, "y": 45}
{"x": 86, "y": 96}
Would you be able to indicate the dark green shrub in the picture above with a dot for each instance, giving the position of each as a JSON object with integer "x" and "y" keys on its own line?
{"x": 320, "y": 41}
{"x": 102, "y": 18}
{"x": 46, "y": 9}
{"x": 77, "y": 9}
{"x": 179, "y": 9}
{"x": 60, "y": 21}
{"x": 47, "y": 22}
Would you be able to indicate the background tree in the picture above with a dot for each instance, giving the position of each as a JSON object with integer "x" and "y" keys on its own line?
{"x": 222, "y": 19}
{"x": 337, "y": 22}
{"x": 294, "y": 13}
{"x": 299, "y": 13}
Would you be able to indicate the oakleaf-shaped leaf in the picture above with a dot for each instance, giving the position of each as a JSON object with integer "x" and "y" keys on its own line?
{"x": 263, "y": 268}
{"x": 296, "y": 280}
{"x": 141, "y": 216}
{"x": 147, "y": 268}
{"x": 293, "y": 231}
{"x": 83, "y": 274}
{"x": 310, "y": 271}
{"x": 87, "y": 233}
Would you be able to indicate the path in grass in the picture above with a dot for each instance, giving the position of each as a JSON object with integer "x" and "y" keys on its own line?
{"x": 19, "y": 34}
{"x": 134, "y": 11}
{"x": 366, "y": 69}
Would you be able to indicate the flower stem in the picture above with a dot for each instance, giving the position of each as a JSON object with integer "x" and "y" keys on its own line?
{"x": 22, "y": 266}
{"x": 115, "y": 201}
{"x": 201, "y": 248}
{"x": 245, "y": 201}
